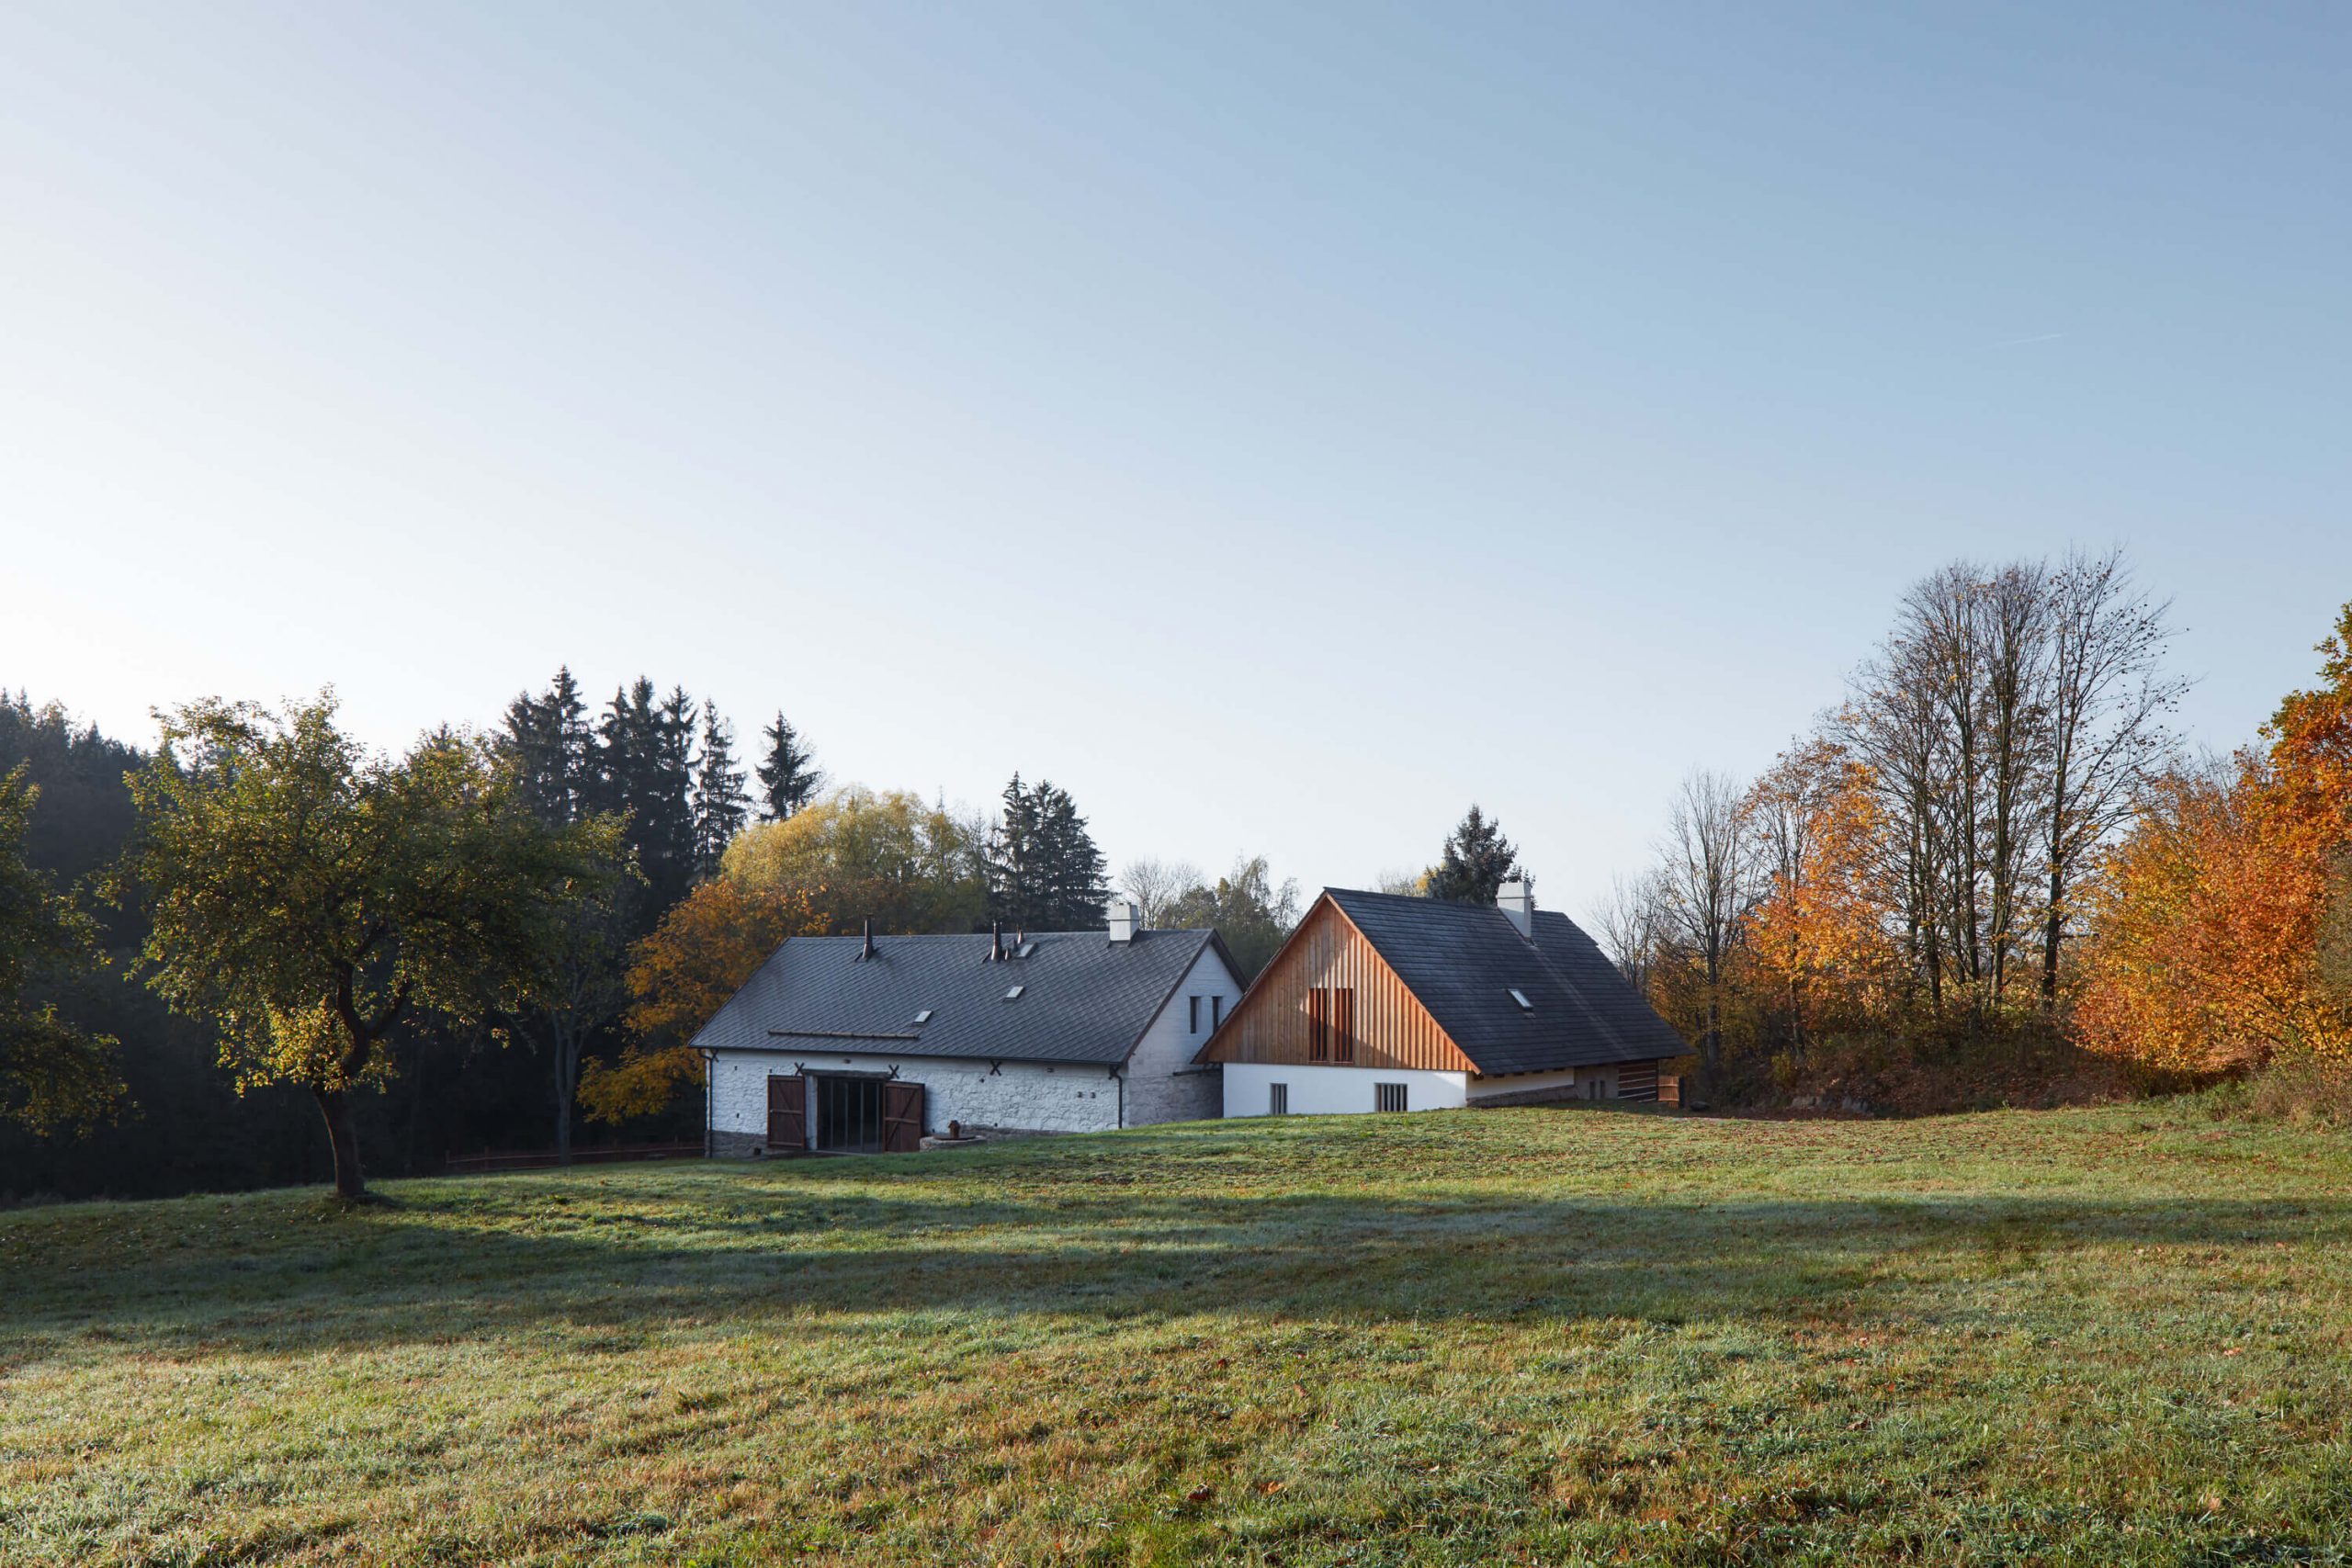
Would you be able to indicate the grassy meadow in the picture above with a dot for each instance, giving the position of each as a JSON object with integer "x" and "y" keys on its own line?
{"x": 2120, "y": 1335}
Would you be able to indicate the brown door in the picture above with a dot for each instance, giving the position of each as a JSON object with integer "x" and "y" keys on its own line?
{"x": 901, "y": 1117}
{"x": 788, "y": 1111}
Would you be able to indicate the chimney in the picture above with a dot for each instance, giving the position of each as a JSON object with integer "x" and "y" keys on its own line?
{"x": 868, "y": 949}
{"x": 1516, "y": 899}
{"x": 996, "y": 941}
{"x": 1126, "y": 919}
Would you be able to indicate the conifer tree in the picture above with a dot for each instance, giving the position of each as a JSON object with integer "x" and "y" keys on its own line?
{"x": 645, "y": 766}
{"x": 788, "y": 777}
{"x": 1045, "y": 871}
{"x": 551, "y": 747}
{"x": 1478, "y": 860}
{"x": 721, "y": 804}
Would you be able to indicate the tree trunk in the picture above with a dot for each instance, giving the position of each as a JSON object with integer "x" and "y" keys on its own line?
{"x": 567, "y": 1079}
{"x": 343, "y": 1137}
{"x": 2053, "y": 930}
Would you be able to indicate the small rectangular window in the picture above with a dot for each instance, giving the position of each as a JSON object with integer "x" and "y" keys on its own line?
{"x": 1216, "y": 1011}
{"x": 1195, "y": 1025}
{"x": 1520, "y": 997}
{"x": 1388, "y": 1097}
{"x": 1015, "y": 992}
{"x": 924, "y": 1017}
{"x": 1319, "y": 1024}
{"x": 1344, "y": 1024}
{"x": 1278, "y": 1100}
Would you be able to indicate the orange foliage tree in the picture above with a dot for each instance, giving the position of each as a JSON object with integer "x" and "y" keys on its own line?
{"x": 2207, "y": 954}
{"x": 680, "y": 976}
{"x": 1817, "y": 933}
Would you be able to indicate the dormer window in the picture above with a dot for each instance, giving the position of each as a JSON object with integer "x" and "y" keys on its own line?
{"x": 1520, "y": 997}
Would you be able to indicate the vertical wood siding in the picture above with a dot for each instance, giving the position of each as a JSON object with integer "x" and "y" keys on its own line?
{"x": 1389, "y": 1027}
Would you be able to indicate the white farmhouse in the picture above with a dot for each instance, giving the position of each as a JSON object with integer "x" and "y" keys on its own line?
{"x": 862, "y": 1046}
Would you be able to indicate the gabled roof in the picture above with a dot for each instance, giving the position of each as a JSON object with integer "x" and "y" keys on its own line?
{"x": 1463, "y": 960}
{"x": 1084, "y": 996}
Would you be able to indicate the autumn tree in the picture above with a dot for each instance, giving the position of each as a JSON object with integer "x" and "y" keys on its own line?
{"x": 53, "y": 1074}
{"x": 2214, "y": 917}
{"x": 311, "y": 897}
{"x": 907, "y": 864}
{"x": 681, "y": 974}
{"x": 1254, "y": 913}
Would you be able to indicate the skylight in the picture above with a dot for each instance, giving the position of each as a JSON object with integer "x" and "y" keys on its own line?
{"x": 924, "y": 1017}
{"x": 1015, "y": 992}
{"x": 1026, "y": 949}
{"x": 1520, "y": 997}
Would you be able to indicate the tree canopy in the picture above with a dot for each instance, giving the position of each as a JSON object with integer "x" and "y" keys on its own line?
{"x": 1477, "y": 861}
{"x": 308, "y": 898}
{"x": 53, "y": 1074}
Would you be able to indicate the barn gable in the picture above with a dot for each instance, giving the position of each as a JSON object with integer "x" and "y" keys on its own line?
{"x": 1445, "y": 986}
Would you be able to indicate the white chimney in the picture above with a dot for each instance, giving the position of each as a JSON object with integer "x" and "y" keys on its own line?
{"x": 1126, "y": 919}
{"x": 1517, "y": 900}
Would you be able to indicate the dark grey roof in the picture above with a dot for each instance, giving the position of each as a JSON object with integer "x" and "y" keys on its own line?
{"x": 1083, "y": 999}
{"x": 1464, "y": 960}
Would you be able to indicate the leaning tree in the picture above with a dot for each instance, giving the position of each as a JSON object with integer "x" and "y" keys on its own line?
{"x": 311, "y": 897}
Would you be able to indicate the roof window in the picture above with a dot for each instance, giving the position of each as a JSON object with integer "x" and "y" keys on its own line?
{"x": 924, "y": 1017}
{"x": 1014, "y": 993}
{"x": 1520, "y": 997}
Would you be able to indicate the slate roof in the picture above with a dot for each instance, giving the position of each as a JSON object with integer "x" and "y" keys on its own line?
{"x": 1084, "y": 997}
{"x": 1464, "y": 960}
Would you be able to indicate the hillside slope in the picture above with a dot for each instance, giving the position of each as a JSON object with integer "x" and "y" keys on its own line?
{"x": 2121, "y": 1333}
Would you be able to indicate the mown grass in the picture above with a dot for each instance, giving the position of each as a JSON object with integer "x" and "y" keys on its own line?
{"x": 2120, "y": 1335}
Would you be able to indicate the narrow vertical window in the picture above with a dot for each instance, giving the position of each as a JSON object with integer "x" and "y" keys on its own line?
{"x": 1195, "y": 1025}
{"x": 1344, "y": 1024}
{"x": 1217, "y": 1012}
{"x": 1319, "y": 1025}
{"x": 1278, "y": 1100}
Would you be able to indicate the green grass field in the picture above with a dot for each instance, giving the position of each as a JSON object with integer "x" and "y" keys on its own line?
{"x": 1558, "y": 1336}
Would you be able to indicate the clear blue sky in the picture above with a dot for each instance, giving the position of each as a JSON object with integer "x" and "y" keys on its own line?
{"x": 1279, "y": 424}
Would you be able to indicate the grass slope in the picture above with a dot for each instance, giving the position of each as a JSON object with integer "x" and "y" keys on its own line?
{"x": 2112, "y": 1336}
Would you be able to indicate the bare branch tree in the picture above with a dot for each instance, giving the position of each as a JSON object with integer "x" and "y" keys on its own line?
{"x": 1705, "y": 875}
{"x": 2107, "y": 702}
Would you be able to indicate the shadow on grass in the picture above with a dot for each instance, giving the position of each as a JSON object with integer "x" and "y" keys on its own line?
{"x": 459, "y": 1267}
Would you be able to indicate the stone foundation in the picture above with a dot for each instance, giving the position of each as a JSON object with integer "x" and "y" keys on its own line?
{"x": 725, "y": 1144}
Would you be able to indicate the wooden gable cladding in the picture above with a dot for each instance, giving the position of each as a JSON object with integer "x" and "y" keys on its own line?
{"x": 1328, "y": 1000}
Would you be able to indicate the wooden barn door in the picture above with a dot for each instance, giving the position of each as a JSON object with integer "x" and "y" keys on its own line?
{"x": 901, "y": 1117}
{"x": 788, "y": 1111}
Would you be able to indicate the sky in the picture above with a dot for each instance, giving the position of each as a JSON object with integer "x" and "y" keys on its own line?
{"x": 1279, "y": 426}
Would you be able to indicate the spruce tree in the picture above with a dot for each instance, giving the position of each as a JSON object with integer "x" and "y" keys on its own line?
{"x": 1044, "y": 871}
{"x": 551, "y": 746}
{"x": 788, "y": 777}
{"x": 645, "y": 768}
{"x": 1478, "y": 860}
{"x": 1012, "y": 856}
{"x": 721, "y": 804}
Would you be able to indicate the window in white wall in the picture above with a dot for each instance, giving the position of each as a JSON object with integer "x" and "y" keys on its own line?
{"x": 1195, "y": 1025}
{"x": 1278, "y": 1100}
{"x": 1216, "y": 1011}
{"x": 1388, "y": 1097}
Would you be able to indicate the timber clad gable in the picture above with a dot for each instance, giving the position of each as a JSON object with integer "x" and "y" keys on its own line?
{"x": 1386, "y": 1003}
{"x": 1328, "y": 997}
